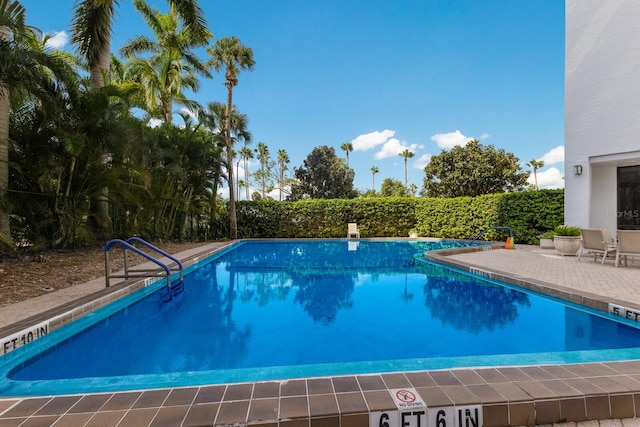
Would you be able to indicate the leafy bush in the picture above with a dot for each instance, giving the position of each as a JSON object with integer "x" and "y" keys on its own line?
{"x": 528, "y": 214}
{"x": 548, "y": 235}
{"x": 566, "y": 230}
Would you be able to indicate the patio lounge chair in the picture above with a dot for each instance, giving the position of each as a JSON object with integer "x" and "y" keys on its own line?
{"x": 598, "y": 241}
{"x": 352, "y": 231}
{"x": 628, "y": 244}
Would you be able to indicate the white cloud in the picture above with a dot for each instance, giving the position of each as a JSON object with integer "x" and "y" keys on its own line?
{"x": 154, "y": 123}
{"x": 57, "y": 40}
{"x": 549, "y": 178}
{"x": 484, "y": 136}
{"x": 556, "y": 155}
{"x": 371, "y": 140}
{"x": 275, "y": 194}
{"x": 450, "y": 139}
{"x": 393, "y": 147}
{"x": 189, "y": 113}
{"x": 422, "y": 161}
{"x": 223, "y": 192}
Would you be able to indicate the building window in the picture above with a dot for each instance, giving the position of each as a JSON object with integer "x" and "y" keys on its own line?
{"x": 629, "y": 198}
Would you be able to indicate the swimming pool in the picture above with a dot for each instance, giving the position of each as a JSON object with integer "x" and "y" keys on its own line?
{"x": 259, "y": 311}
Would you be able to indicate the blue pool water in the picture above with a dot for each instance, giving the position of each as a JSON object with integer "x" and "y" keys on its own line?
{"x": 282, "y": 309}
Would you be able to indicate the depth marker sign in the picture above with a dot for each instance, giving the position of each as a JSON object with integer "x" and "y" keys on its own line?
{"x": 412, "y": 411}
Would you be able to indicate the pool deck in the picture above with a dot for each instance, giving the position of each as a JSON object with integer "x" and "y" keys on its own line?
{"x": 589, "y": 394}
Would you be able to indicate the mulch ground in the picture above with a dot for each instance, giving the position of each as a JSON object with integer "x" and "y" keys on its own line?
{"x": 25, "y": 275}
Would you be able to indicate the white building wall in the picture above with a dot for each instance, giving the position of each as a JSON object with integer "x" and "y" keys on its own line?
{"x": 602, "y": 105}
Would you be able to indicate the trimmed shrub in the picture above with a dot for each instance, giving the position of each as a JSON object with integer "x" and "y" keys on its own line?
{"x": 527, "y": 213}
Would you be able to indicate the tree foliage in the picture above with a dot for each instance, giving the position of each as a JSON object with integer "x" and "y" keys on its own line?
{"x": 393, "y": 188}
{"x": 535, "y": 165}
{"x": 264, "y": 176}
{"x": 473, "y": 170}
{"x": 323, "y": 176}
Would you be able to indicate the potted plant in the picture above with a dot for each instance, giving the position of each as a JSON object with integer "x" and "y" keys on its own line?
{"x": 566, "y": 239}
{"x": 546, "y": 240}
{"x": 413, "y": 233}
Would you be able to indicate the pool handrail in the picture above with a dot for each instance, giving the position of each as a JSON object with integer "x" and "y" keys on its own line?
{"x": 126, "y": 246}
{"x": 158, "y": 250}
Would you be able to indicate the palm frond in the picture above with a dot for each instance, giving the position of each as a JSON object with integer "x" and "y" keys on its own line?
{"x": 92, "y": 28}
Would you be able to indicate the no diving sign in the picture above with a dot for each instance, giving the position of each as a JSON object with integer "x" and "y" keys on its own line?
{"x": 412, "y": 411}
{"x": 406, "y": 398}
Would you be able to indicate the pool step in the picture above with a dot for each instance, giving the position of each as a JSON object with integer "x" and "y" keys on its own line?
{"x": 174, "y": 290}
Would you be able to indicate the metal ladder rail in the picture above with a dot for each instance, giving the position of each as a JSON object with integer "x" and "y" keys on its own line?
{"x": 126, "y": 274}
{"x": 158, "y": 250}
{"x": 499, "y": 227}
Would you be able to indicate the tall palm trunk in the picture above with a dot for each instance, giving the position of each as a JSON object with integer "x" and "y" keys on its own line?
{"x": 100, "y": 206}
{"x": 92, "y": 25}
{"x": 405, "y": 172}
{"x": 246, "y": 177}
{"x": 5, "y": 229}
{"x": 98, "y": 70}
{"x": 233, "y": 221}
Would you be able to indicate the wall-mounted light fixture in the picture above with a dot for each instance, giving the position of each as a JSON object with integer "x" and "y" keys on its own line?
{"x": 577, "y": 169}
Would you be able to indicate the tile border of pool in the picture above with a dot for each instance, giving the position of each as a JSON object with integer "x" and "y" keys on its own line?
{"x": 509, "y": 395}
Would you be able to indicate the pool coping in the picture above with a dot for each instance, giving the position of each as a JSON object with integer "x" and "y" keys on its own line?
{"x": 595, "y": 301}
{"x": 507, "y": 395}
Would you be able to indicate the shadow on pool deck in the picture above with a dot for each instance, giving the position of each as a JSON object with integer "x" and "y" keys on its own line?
{"x": 507, "y": 395}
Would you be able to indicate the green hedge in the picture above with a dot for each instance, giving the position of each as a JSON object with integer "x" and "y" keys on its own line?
{"x": 527, "y": 213}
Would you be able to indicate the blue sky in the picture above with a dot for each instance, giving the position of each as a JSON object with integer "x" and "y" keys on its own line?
{"x": 385, "y": 75}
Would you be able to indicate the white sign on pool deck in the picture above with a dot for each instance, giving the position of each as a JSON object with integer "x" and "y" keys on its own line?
{"x": 23, "y": 337}
{"x": 413, "y": 412}
{"x": 626, "y": 312}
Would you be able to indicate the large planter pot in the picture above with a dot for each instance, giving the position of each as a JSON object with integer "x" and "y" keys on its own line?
{"x": 567, "y": 245}
{"x": 546, "y": 243}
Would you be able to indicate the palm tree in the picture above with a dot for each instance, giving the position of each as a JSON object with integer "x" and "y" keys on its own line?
{"x": 91, "y": 26}
{"x": 230, "y": 54}
{"x": 213, "y": 117}
{"x": 374, "y": 170}
{"x": 535, "y": 165}
{"x": 171, "y": 64}
{"x": 92, "y": 23}
{"x": 347, "y": 147}
{"x": 264, "y": 157}
{"x": 28, "y": 69}
{"x": 246, "y": 153}
{"x": 406, "y": 154}
{"x": 283, "y": 162}
{"x": 158, "y": 87}
{"x": 11, "y": 21}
